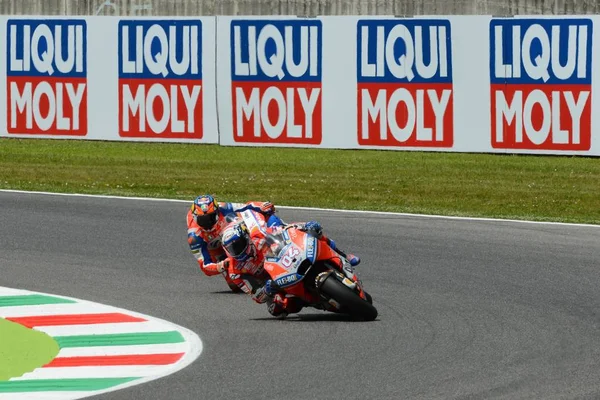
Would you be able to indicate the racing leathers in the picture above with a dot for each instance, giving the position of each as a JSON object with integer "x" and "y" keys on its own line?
{"x": 249, "y": 274}
{"x": 206, "y": 246}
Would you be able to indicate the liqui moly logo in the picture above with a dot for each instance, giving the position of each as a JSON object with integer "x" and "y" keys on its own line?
{"x": 276, "y": 81}
{"x": 405, "y": 94}
{"x": 46, "y": 77}
{"x": 160, "y": 79}
{"x": 541, "y": 83}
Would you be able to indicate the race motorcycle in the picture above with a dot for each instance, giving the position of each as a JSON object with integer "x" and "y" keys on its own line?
{"x": 301, "y": 265}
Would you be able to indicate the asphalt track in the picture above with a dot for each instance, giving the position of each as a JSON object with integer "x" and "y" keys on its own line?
{"x": 467, "y": 309}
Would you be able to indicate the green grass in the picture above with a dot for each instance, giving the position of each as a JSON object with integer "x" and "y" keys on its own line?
{"x": 23, "y": 350}
{"x": 551, "y": 188}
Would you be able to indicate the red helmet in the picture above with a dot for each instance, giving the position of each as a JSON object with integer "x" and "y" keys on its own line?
{"x": 205, "y": 211}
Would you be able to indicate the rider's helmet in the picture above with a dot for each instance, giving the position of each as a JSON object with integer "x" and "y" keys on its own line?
{"x": 205, "y": 211}
{"x": 236, "y": 241}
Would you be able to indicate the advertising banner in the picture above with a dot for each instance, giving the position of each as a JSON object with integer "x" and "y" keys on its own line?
{"x": 160, "y": 79}
{"x": 523, "y": 85}
{"x": 541, "y": 81}
{"x": 404, "y": 100}
{"x": 109, "y": 78}
{"x": 456, "y": 83}
{"x": 270, "y": 88}
{"x": 356, "y": 82}
{"x": 46, "y": 77}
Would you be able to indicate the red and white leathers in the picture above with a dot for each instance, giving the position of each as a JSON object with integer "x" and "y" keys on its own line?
{"x": 249, "y": 274}
{"x": 206, "y": 246}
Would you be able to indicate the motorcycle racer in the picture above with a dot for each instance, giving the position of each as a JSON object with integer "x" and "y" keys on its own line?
{"x": 245, "y": 257}
{"x": 206, "y": 220}
{"x": 246, "y": 253}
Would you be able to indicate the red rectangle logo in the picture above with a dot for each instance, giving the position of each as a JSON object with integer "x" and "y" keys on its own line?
{"x": 50, "y": 106}
{"x": 170, "y": 107}
{"x": 289, "y": 112}
{"x": 409, "y": 115}
{"x": 549, "y": 117}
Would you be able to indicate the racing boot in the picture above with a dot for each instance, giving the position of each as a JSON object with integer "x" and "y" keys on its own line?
{"x": 275, "y": 306}
{"x": 280, "y": 306}
{"x": 352, "y": 259}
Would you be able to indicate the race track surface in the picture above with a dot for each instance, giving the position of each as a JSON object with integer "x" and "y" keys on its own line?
{"x": 467, "y": 309}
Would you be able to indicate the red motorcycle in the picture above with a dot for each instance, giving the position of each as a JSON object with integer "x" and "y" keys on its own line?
{"x": 303, "y": 266}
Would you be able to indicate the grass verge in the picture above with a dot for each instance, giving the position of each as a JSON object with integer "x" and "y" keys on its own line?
{"x": 22, "y": 349}
{"x": 549, "y": 188}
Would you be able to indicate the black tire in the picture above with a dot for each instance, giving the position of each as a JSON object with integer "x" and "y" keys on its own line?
{"x": 350, "y": 301}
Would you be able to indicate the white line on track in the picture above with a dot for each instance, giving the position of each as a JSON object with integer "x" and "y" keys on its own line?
{"x": 4, "y": 291}
{"x": 312, "y": 209}
{"x": 128, "y": 371}
{"x": 171, "y": 348}
{"x": 44, "y": 396}
{"x": 105, "y": 329}
{"x": 53, "y": 309}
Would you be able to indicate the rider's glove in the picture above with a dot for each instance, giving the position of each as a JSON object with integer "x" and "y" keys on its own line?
{"x": 267, "y": 208}
{"x": 269, "y": 289}
{"x": 260, "y": 295}
{"x": 314, "y": 228}
{"x": 223, "y": 265}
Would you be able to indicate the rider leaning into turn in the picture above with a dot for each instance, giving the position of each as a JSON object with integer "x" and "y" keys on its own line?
{"x": 246, "y": 255}
{"x": 206, "y": 220}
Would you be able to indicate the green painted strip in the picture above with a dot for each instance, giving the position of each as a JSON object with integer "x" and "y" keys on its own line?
{"x": 31, "y": 300}
{"x": 55, "y": 385}
{"x": 122, "y": 339}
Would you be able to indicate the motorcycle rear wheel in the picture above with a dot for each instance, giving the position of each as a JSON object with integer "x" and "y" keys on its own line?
{"x": 350, "y": 301}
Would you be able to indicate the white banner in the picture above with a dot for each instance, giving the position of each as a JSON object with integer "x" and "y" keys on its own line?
{"x": 460, "y": 83}
{"x": 108, "y": 78}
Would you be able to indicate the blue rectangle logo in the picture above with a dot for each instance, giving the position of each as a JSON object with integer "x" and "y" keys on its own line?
{"x": 46, "y": 48}
{"x": 400, "y": 50}
{"x": 155, "y": 49}
{"x": 276, "y": 50}
{"x": 549, "y": 51}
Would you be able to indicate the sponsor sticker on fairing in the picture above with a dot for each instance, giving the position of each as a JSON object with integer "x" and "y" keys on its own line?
{"x": 276, "y": 81}
{"x": 311, "y": 244}
{"x": 287, "y": 280}
{"x": 405, "y": 89}
{"x": 160, "y": 79}
{"x": 46, "y": 77}
{"x": 541, "y": 83}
